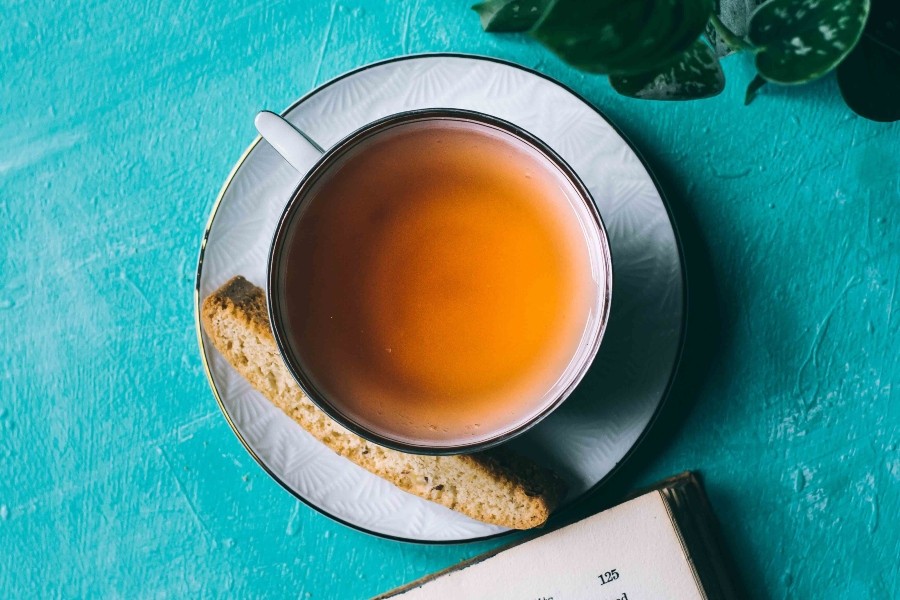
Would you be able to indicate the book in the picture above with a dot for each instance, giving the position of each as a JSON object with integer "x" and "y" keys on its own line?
{"x": 660, "y": 543}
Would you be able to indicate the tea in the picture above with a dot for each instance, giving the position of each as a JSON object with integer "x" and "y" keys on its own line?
{"x": 439, "y": 281}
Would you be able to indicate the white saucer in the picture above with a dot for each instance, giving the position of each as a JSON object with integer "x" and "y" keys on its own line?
{"x": 599, "y": 425}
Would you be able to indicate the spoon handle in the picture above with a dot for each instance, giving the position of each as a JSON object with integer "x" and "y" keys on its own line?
{"x": 292, "y": 144}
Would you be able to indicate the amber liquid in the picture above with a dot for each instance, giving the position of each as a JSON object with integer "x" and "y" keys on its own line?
{"x": 439, "y": 282}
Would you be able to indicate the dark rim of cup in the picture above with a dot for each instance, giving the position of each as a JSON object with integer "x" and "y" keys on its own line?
{"x": 289, "y": 216}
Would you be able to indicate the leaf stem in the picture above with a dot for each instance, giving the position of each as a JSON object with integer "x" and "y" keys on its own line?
{"x": 731, "y": 39}
{"x": 753, "y": 89}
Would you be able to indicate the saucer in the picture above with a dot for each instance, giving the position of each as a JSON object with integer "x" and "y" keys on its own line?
{"x": 595, "y": 430}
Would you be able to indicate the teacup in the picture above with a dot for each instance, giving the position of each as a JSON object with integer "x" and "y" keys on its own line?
{"x": 439, "y": 281}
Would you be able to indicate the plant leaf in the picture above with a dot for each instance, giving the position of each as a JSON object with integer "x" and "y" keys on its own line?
{"x": 695, "y": 74}
{"x": 800, "y": 40}
{"x": 753, "y": 89}
{"x": 506, "y": 16}
{"x": 615, "y": 37}
{"x": 869, "y": 78}
{"x": 735, "y": 15}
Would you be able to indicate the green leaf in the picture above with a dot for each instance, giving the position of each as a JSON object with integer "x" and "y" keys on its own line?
{"x": 869, "y": 78}
{"x": 505, "y": 16}
{"x": 735, "y": 15}
{"x": 695, "y": 74}
{"x": 615, "y": 37}
{"x": 800, "y": 40}
{"x": 753, "y": 89}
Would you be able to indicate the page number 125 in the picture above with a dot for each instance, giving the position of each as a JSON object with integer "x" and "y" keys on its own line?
{"x": 607, "y": 577}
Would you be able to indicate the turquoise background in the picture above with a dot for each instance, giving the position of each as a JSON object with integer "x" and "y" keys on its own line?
{"x": 120, "y": 478}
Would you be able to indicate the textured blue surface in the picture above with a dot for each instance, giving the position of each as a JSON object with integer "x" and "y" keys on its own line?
{"x": 118, "y": 475}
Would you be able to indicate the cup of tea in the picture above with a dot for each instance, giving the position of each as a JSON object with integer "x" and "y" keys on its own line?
{"x": 439, "y": 280}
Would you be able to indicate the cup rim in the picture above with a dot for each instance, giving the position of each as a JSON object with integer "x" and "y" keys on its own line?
{"x": 287, "y": 220}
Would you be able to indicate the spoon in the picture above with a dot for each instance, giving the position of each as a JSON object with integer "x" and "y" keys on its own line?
{"x": 297, "y": 148}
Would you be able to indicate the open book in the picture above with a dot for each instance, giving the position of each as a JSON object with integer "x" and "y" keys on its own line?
{"x": 659, "y": 544}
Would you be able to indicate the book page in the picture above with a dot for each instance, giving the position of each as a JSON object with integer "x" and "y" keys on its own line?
{"x": 629, "y": 552}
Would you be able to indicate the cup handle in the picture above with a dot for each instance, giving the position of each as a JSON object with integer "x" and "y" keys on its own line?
{"x": 293, "y": 145}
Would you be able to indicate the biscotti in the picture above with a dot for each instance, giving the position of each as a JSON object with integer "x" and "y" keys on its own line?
{"x": 494, "y": 486}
